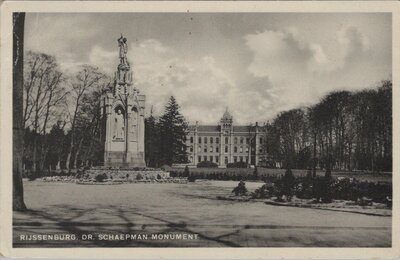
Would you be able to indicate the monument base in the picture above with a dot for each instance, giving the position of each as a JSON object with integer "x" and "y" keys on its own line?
{"x": 124, "y": 174}
{"x": 121, "y": 159}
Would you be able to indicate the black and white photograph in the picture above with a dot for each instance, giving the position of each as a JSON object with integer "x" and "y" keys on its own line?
{"x": 202, "y": 129}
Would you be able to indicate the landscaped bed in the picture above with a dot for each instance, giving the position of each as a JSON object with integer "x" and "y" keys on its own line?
{"x": 109, "y": 181}
{"x": 339, "y": 194}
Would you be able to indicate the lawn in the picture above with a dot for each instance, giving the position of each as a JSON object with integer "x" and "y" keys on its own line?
{"x": 60, "y": 208}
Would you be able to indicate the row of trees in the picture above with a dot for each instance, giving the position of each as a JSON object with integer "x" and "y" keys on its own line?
{"x": 63, "y": 124}
{"x": 344, "y": 131}
{"x": 61, "y": 114}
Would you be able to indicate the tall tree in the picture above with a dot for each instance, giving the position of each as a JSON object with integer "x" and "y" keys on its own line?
{"x": 88, "y": 124}
{"x": 56, "y": 140}
{"x": 43, "y": 95}
{"x": 85, "y": 80}
{"x": 151, "y": 141}
{"x": 18, "y": 130}
{"x": 173, "y": 131}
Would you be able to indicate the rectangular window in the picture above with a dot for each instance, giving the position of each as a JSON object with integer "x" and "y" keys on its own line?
{"x": 217, "y": 149}
{"x": 211, "y": 158}
{"x": 247, "y": 159}
{"x": 205, "y": 158}
{"x": 247, "y": 140}
{"x": 247, "y": 149}
{"x": 241, "y": 140}
{"x": 217, "y": 140}
{"x": 226, "y": 140}
{"x": 205, "y": 140}
{"x": 191, "y": 139}
{"x": 234, "y": 159}
{"x": 191, "y": 149}
{"x": 199, "y": 140}
{"x": 241, "y": 149}
{"x": 211, "y": 149}
{"x": 199, "y": 148}
{"x": 216, "y": 159}
{"x": 205, "y": 149}
{"x": 241, "y": 159}
{"x": 235, "y": 149}
{"x": 211, "y": 140}
{"x": 261, "y": 140}
{"x": 199, "y": 159}
{"x": 226, "y": 149}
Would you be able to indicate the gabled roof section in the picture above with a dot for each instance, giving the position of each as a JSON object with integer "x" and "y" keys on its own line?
{"x": 226, "y": 116}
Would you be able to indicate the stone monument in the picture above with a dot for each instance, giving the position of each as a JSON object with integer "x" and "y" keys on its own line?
{"x": 123, "y": 111}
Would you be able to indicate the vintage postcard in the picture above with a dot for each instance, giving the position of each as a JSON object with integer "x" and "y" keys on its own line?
{"x": 200, "y": 129}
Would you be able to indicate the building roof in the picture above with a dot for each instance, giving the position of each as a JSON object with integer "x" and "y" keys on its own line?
{"x": 205, "y": 128}
{"x": 216, "y": 128}
{"x": 227, "y": 115}
{"x": 242, "y": 128}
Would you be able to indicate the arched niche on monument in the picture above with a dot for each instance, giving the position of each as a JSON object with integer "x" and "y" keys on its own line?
{"x": 134, "y": 122}
{"x": 118, "y": 121}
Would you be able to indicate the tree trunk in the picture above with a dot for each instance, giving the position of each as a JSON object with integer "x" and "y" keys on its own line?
{"x": 58, "y": 165}
{"x": 314, "y": 166}
{"x": 71, "y": 146}
{"x": 18, "y": 131}
{"x": 78, "y": 151}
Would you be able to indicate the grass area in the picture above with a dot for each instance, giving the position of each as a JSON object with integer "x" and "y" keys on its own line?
{"x": 59, "y": 208}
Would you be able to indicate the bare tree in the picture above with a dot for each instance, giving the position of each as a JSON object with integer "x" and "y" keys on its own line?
{"x": 85, "y": 80}
{"x": 43, "y": 93}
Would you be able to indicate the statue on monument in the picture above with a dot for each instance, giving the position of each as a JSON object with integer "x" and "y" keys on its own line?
{"x": 123, "y": 49}
{"x": 119, "y": 125}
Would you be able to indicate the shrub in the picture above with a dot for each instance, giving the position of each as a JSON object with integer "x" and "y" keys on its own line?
{"x": 192, "y": 178}
{"x": 323, "y": 189}
{"x": 287, "y": 184}
{"x": 206, "y": 164}
{"x": 264, "y": 192}
{"x": 159, "y": 177}
{"x": 100, "y": 177}
{"x": 241, "y": 189}
{"x": 139, "y": 176}
{"x": 237, "y": 165}
{"x": 304, "y": 188}
{"x": 186, "y": 171}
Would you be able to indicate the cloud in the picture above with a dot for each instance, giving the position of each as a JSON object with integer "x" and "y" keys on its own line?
{"x": 200, "y": 86}
{"x": 301, "y": 71}
{"x": 254, "y": 70}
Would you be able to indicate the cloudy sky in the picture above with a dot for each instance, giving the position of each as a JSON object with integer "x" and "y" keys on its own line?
{"x": 255, "y": 64}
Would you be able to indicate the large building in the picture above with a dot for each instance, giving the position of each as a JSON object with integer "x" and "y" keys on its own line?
{"x": 226, "y": 143}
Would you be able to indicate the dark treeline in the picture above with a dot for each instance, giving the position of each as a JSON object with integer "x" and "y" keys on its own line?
{"x": 344, "y": 131}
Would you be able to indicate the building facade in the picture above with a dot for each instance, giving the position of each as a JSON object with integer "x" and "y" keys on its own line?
{"x": 226, "y": 143}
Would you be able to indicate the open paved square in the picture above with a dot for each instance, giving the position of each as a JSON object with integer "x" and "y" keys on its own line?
{"x": 59, "y": 208}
